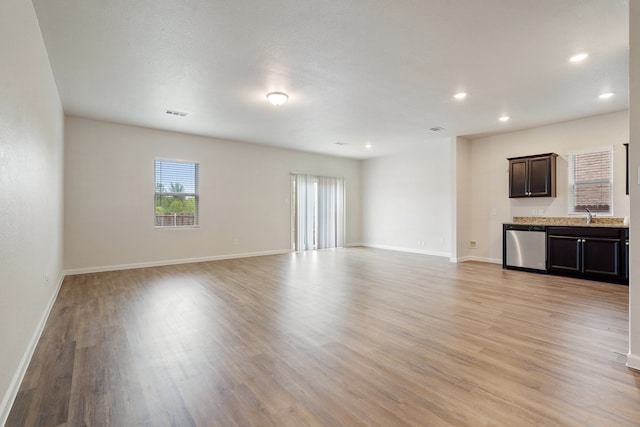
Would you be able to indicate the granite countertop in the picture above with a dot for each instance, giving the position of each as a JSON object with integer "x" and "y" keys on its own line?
{"x": 609, "y": 222}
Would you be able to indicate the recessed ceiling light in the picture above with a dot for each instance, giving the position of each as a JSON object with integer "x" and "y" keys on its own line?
{"x": 460, "y": 95}
{"x": 579, "y": 57}
{"x": 606, "y": 95}
{"x": 504, "y": 118}
{"x": 277, "y": 98}
{"x": 368, "y": 146}
{"x": 436, "y": 129}
{"x": 341, "y": 143}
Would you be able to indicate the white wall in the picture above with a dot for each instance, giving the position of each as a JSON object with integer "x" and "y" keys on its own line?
{"x": 633, "y": 359}
{"x": 244, "y": 196}
{"x": 461, "y": 187}
{"x": 490, "y": 204}
{"x": 31, "y": 192}
{"x": 407, "y": 200}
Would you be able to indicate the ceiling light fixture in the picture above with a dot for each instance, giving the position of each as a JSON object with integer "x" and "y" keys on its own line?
{"x": 504, "y": 118}
{"x": 579, "y": 57}
{"x": 606, "y": 95}
{"x": 368, "y": 146}
{"x": 460, "y": 95}
{"x": 277, "y": 98}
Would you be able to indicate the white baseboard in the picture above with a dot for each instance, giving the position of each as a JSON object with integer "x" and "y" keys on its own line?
{"x": 353, "y": 245}
{"x": 633, "y": 361}
{"x": 400, "y": 249}
{"x": 100, "y": 269}
{"x": 14, "y": 386}
{"x": 477, "y": 258}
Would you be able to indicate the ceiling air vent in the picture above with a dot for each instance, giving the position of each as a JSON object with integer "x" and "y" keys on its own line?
{"x": 176, "y": 113}
{"x": 436, "y": 129}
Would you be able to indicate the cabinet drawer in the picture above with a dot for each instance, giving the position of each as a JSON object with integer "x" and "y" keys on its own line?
{"x": 604, "y": 232}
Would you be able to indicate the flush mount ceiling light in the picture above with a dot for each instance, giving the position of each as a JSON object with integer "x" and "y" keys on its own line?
{"x": 460, "y": 95}
{"x": 504, "y": 118}
{"x": 368, "y": 146}
{"x": 277, "y": 98}
{"x": 606, "y": 95}
{"x": 579, "y": 57}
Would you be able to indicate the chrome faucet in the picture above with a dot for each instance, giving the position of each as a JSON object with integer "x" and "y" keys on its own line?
{"x": 589, "y": 215}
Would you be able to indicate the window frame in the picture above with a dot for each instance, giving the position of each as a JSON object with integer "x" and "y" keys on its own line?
{"x": 572, "y": 185}
{"x": 195, "y": 195}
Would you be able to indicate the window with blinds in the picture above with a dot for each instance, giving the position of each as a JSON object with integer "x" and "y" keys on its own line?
{"x": 176, "y": 193}
{"x": 591, "y": 182}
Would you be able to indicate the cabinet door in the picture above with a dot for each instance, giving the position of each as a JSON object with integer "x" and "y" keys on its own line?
{"x": 518, "y": 178}
{"x": 563, "y": 254}
{"x": 626, "y": 259}
{"x": 601, "y": 256}
{"x": 540, "y": 176}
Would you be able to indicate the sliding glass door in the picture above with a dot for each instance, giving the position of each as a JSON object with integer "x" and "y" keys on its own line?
{"x": 318, "y": 212}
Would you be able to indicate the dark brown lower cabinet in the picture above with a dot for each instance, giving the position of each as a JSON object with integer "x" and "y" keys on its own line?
{"x": 564, "y": 254}
{"x": 593, "y": 253}
{"x": 626, "y": 255}
{"x": 601, "y": 256}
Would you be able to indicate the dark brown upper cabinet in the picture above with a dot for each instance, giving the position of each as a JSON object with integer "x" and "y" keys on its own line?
{"x": 532, "y": 176}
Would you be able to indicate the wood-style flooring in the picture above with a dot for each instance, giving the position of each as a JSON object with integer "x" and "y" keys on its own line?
{"x": 346, "y": 337}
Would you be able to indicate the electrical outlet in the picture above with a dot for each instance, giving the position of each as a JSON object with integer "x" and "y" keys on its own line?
{"x": 473, "y": 244}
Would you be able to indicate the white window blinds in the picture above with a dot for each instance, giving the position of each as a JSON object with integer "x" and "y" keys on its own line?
{"x": 176, "y": 193}
{"x": 591, "y": 182}
{"x": 318, "y": 212}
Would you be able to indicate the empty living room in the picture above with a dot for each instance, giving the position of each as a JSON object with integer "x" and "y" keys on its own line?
{"x": 305, "y": 213}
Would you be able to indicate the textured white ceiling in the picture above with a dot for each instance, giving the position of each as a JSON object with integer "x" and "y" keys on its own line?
{"x": 356, "y": 71}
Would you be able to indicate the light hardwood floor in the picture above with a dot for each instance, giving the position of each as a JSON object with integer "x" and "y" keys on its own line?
{"x": 347, "y": 337}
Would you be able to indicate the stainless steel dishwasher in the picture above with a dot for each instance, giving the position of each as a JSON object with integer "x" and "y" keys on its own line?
{"x": 525, "y": 246}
